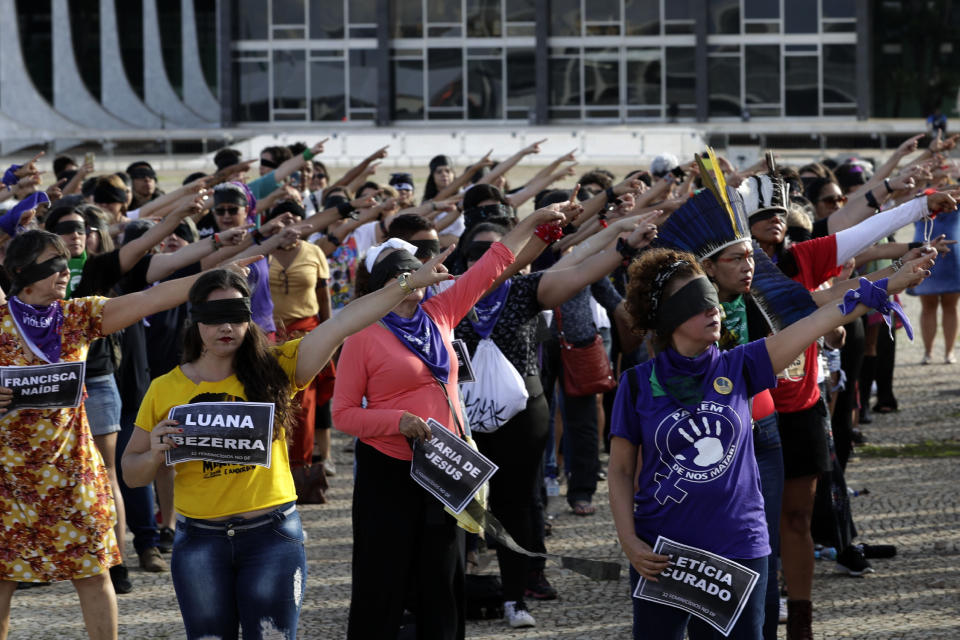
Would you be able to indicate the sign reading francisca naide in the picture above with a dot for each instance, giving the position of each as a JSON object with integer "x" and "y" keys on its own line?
{"x": 449, "y": 468}
{"x": 702, "y": 583}
{"x": 227, "y": 432}
{"x": 44, "y": 386}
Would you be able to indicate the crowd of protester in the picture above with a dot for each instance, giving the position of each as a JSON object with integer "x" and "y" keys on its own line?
{"x": 769, "y": 291}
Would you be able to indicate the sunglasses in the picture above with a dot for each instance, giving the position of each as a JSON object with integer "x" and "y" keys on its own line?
{"x": 222, "y": 211}
{"x": 833, "y": 199}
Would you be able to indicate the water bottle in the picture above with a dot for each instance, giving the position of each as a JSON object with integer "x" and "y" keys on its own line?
{"x": 553, "y": 487}
{"x": 825, "y": 553}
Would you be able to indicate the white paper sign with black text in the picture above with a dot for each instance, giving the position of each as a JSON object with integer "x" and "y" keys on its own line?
{"x": 465, "y": 373}
{"x": 702, "y": 583}
{"x": 45, "y": 386}
{"x": 226, "y": 432}
{"x": 449, "y": 468}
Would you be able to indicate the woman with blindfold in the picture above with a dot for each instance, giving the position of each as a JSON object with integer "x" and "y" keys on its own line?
{"x": 681, "y": 458}
{"x": 57, "y": 505}
{"x": 392, "y": 377}
{"x": 238, "y": 560}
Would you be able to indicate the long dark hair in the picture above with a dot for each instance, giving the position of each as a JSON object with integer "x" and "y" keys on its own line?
{"x": 262, "y": 377}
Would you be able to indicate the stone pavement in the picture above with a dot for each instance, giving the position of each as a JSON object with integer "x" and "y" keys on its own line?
{"x": 913, "y": 503}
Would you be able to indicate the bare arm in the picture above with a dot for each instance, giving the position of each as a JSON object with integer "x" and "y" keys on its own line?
{"x": 350, "y": 176}
{"x": 503, "y": 167}
{"x": 454, "y": 187}
{"x": 291, "y": 166}
{"x": 165, "y": 264}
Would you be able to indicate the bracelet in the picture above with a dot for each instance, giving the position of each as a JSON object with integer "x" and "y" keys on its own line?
{"x": 307, "y": 155}
{"x": 332, "y": 239}
{"x": 258, "y": 236}
{"x": 897, "y": 264}
{"x": 886, "y": 183}
{"x": 602, "y": 219}
{"x": 626, "y": 251}
{"x": 549, "y": 232}
{"x": 611, "y": 195}
{"x": 347, "y": 211}
{"x": 216, "y": 242}
{"x": 914, "y": 245}
{"x": 404, "y": 280}
{"x": 872, "y": 201}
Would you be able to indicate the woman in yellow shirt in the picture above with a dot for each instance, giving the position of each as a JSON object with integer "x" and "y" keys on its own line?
{"x": 238, "y": 560}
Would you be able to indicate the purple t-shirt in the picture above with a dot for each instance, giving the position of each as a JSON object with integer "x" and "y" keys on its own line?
{"x": 699, "y": 483}
{"x": 261, "y": 304}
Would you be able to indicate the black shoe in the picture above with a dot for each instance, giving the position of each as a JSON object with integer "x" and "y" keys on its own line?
{"x": 852, "y": 562}
{"x": 539, "y": 588}
{"x": 120, "y": 579}
{"x": 857, "y": 436}
{"x": 878, "y": 550}
{"x": 165, "y": 540}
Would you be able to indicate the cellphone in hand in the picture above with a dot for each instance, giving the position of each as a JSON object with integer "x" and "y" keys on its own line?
{"x": 89, "y": 158}
{"x": 295, "y": 178}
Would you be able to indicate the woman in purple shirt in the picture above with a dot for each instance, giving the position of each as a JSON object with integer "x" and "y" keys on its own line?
{"x": 681, "y": 457}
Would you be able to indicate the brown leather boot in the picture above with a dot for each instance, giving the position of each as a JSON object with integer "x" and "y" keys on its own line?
{"x": 799, "y": 620}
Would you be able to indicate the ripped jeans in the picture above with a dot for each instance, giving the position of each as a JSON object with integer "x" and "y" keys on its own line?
{"x": 238, "y": 573}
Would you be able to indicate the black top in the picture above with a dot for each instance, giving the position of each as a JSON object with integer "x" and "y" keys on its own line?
{"x": 207, "y": 226}
{"x": 578, "y": 326}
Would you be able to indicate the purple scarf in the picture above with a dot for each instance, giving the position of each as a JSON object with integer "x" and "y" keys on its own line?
{"x": 421, "y": 335}
{"x": 39, "y": 326}
{"x": 683, "y": 378}
{"x": 489, "y": 308}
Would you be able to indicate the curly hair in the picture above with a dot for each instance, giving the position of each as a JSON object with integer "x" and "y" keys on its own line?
{"x": 255, "y": 366}
{"x": 644, "y": 285}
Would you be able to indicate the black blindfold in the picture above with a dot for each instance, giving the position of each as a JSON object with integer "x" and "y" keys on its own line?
{"x": 233, "y": 310}
{"x": 392, "y": 265}
{"x": 67, "y": 227}
{"x": 426, "y": 249}
{"x": 38, "y": 271}
{"x": 476, "y": 250}
{"x": 498, "y": 213}
{"x": 690, "y": 300}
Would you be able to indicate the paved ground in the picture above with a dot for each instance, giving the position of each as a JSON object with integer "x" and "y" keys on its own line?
{"x": 913, "y": 503}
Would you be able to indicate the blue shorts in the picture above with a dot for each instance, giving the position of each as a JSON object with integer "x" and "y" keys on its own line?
{"x": 102, "y": 405}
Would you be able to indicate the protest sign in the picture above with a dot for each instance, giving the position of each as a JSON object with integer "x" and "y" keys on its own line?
{"x": 449, "y": 468}
{"x": 702, "y": 583}
{"x": 225, "y": 432}
{"x": 44, "y": 386}
{"x": 463, "y": 359}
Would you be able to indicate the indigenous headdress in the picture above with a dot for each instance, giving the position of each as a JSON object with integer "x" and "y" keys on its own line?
{"x": 781, "y": 300}
{"x": 765, "y": 192}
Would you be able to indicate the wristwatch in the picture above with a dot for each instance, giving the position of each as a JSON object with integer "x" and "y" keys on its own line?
{"x": 404, "y": 280}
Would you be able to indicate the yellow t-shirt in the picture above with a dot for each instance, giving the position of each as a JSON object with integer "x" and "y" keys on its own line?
{"x": 213, "y": 489}
{"x": 294, "y": 289}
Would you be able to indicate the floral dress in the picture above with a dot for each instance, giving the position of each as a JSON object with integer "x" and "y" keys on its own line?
{"x": 56, "y": 507}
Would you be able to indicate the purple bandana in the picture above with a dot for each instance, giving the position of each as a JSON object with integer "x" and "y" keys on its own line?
{"x": 489, "y": 308}
{"x": 10, "y": 175}
{"x": 421, "y": 335}
{"x": 874, "y": 295}
{"x": 39, "y": 326}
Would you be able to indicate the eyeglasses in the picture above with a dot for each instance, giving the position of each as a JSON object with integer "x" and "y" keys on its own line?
{"x": 833, "y": 199}
{"x": 222, "y": 211}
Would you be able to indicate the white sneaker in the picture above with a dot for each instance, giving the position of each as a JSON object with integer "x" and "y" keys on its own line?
{"x": 783, "y": 611}
{"x": 329, "y": 469}
{"x": 517, "y": 615}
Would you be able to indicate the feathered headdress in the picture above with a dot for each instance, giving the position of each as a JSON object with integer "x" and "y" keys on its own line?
{"x": 764, "y": 192}
{"x": 781, "y": 300}
{"x": 711, "y": 220}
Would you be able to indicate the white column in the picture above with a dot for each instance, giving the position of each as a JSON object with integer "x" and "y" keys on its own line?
{"x": 196, "y": 91}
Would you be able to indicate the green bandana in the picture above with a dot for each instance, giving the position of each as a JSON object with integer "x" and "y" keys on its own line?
{"x": 734, "y": 324}
{"x": 76, "y": 270}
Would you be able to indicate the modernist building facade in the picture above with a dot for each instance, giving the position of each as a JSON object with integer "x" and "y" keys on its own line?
{"x": 77, "y": 67}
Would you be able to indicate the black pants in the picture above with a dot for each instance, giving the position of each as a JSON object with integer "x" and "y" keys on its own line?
{"x": 517, "y": 448}
{"x": 879, "y": 369}
{"x": 406, "y": 552}
{"x": 851, "y": 359}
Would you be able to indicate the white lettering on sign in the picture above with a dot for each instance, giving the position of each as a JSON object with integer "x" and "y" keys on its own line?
{"x": 218, "y": 420}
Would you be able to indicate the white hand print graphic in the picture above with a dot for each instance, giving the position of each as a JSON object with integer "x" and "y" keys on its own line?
{"x": 707, "y": 442}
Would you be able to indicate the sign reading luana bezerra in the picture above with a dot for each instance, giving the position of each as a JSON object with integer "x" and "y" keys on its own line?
{"x": 45, "y": 386}
{"x": 227, "y": 432}
{"x": 702, "y": 583}
{"x": 449, "y": 468}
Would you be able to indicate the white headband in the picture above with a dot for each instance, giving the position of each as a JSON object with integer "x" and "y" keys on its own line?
{"x": 392, "y": 243}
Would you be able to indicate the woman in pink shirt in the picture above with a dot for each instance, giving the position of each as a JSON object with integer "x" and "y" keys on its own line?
{"x": 407, "y": 552}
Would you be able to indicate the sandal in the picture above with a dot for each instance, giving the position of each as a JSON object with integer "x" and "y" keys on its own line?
{"x": 583, "y": 508}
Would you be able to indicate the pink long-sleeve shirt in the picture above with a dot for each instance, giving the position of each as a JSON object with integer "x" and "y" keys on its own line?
{"x": 374, "y": 364}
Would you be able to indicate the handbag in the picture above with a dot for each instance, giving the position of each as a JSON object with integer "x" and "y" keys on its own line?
{"x": 586, "y": 369}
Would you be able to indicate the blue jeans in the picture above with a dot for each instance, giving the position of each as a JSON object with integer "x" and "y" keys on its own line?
{"x": 238, "y": 573}
{"x": 766, "y": 449}
{"x": 102, "y": 405}
{"x": 654, "y": 621}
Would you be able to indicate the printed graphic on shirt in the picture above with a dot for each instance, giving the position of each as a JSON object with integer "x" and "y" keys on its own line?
{"x": 796, "y": 369}
{"x": 695, "y": 447}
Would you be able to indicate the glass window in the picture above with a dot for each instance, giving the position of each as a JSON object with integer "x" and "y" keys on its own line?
{"x": 408, "y": 89}
{"x": 406, "y": 18}
{"x": 521, "y": 78}
{"x": 723, "y": 82}
{"x": 251, "y": 84}
{"x": 326, "y": 87}
{"x": 289, "y": 80}
{"x": 361, "y": 11}
{"x": 641, "y": 17}
{"x": 601, "y": 82}
{"x": 443, "y": 11}
{"x": 521, "y": 10}
{"x": 564, "y": 17}
{"x": 644, "y": 76}
{"x": 761, "y": 9}
{"x": 250, "y": 19}
{"x": 363, "y": 78}
{"x": 602, "y": 11}
{"x": 445, "y": 77}
{"x": 565, "y": 82}
{"x": 483, "y": 18}
{"x": 484, "y": 89}
{"x": 800, "y": 16}
{"x": 681, "y": 77}
{"x": 802, "y": 85}
{"x": 288, "y": 12}
{"x": 839, "y": 9}
{"x": 839, "y": 73}
{"x": 762, "y": 74}
{"x": 724, "y": 16}
{"x": 677, "y": 10}
{"x": 326, "y": 20}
